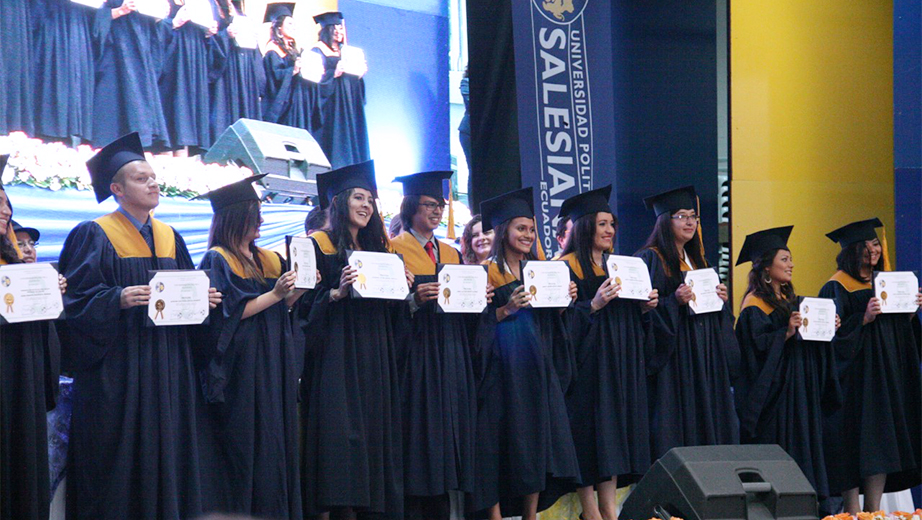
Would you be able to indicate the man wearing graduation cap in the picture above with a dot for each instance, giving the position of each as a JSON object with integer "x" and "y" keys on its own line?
{"x": 874, "y": 443}
{"x": 133, "y": 448}
{"x": 439, "y": 390}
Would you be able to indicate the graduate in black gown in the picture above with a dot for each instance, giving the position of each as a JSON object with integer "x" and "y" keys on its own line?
{"x": 874, "y": 442}
{"x": 133, "y": 447}
{"x": 290, "y": 99}
{"x": 17, "y": 89}
{"x": 786, "y": 384}
{"x": 351, "y": 456}
{"x": 28, "y": 388}
{"x": 126, "y": 98}
{"x": 607, "y": 403}
{"x": 184, "y": 78}
{"x": 248, "y": 429}
{"x": 236, "y": 75}
{"x": 343, "y": 133}
{"x": 437, "y": 378}
{"x": 64, "y": 69}
{"x": 695, "y": 356}
{"x": 524, "y": 444}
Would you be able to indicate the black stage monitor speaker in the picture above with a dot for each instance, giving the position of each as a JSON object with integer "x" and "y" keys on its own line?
{"x": 752, "y": 482}
{"x": 290, "y": 156}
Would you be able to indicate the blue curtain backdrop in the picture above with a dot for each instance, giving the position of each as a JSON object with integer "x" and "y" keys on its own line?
{"x": 55, "y": 213}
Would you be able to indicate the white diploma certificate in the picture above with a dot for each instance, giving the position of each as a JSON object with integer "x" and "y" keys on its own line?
{"x": 703, "y": 283}
{"x": 353, "y": 60}
{"x": 158, "y": 9}
{"x": 178, "y": 297}
{"x": 380, "y": 275}
{"x": 246, "y": 32}
{"x": 462, "y": 288}
{"x": 312, "y": 66}
{"x": 30, "y": 292}
{"x": 630, "y": 272}
{"x": 302, "y": 260}
{"x": 897, "y": 291}
{"x": 547, "y": 282}
{"x": 819, "y": 319}
{"x": 200, "y": 13}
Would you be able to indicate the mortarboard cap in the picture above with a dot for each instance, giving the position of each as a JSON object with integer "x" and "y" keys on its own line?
{"x": 518, "y": 203}
{"x": 673, "y": 200}
{"x": 855, "y": 232}
{"x": 761, "y": 242}
{"x": 107, "y": 162}
{"x": 330, "y": 18}
{"x": 32, "y": 232}
{"x": 233, "y": 193}
{"x": 586, "y": 203}
{"x": 426, "y": 183}
{"x": 278, "y": 9}
{"x": 360, "y": 175}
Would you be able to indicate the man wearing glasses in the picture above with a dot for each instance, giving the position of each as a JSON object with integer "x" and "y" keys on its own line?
{"x": 27, "y": 239}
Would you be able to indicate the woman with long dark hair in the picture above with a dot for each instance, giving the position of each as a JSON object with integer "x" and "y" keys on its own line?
{"x": 351, "y": 457}
{"x": 524, "y": 446}
{"x": 290, "y": 99}
{"x": 874, "y": 442}
{"x": 29, "y": 378}
{"x": 476, "y": 242}
{"x": 607, "y": 403}
{"x": 249, "y": 368}
{"x": 786, "y": 384}
{"x": 343, "y": 135}
{"x": 695, "y": 355}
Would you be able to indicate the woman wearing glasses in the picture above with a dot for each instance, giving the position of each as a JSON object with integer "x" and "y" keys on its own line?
{"x": 690, "y": 367}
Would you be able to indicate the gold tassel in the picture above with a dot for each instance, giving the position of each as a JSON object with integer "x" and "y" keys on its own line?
{"x": 539, "y": 251}
{"x": 11, "y": 235}
{"x": 885, "y": 250}
{"x": 700, "y": 239}
{"x": 451, "y": 214}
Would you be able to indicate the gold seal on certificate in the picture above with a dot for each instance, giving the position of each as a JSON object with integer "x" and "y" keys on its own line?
{"x": 178, "y": 297}
{"x": 703, "y": 283}
{"x": 631, "y": 274}
{"x": 897, "y": 291}
{"x": 462, "y": 288}
{"x": 30, "y": 293}
{"x": 303, "y": 260}
{"x": 380, "y": 275}
{"x": 548, "y": 283}
{"x": 819, "y": 319}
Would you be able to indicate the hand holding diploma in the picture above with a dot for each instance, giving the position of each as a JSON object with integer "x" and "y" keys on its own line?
{"x": 607, "y": 292}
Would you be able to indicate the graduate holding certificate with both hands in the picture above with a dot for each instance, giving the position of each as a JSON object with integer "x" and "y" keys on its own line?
{"x": 875, "y": 440}
{"x": 351, "y": 438}
{"x": 524, "y": 446}
{"x": 133, "y": 444}
{"x": 695, "y": 355}
{"x": 786, "y": 384}
{"x": 608, "y": 401}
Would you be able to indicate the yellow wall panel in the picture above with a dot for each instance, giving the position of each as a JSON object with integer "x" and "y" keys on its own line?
{"x": 811, "y": 90}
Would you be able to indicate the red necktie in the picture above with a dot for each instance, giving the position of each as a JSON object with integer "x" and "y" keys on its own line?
{"x": 431, "y": 252}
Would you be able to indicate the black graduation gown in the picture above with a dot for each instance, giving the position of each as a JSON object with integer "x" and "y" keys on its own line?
{"x": 785, "y": 388}
{"x": 351, "y": 439}
{"x": 879, "y": 427}
{"x": 343, "y": 134}
{"x": 690, "y": 368}
{"x": 248, "y": 428}
{"x": 237, "y": 80}
{"x": 126, "y": 98}
{"x": 17, "y": 79}
{"x": 184, "y": 82}
{"x": 28, "y": 387}
{"x": 133, "y": 447}
{"x": 437, "y": 384}
{"x": 290, "y": 100}
{"x": 65, "y": 73}
{"x": 607, "y": 403}
{"x": 524, "y": 443}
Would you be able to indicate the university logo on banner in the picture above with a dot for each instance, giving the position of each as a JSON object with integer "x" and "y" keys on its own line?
{"x": 553, "y": 43}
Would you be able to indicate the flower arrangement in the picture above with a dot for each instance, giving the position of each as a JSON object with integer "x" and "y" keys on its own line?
{"x": 879, "y": 515}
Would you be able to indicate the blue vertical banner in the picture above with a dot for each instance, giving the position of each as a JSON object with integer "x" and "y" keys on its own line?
{"x": 563, "y": 67}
